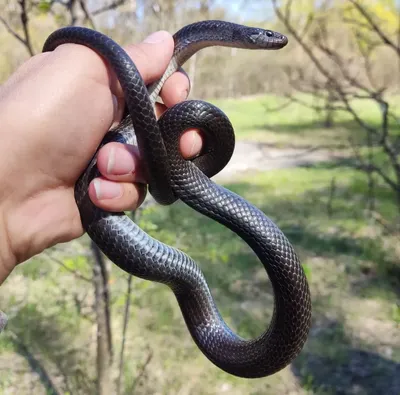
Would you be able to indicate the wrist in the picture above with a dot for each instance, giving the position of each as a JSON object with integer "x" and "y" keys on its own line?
{"x": 36, "y": 223}
{"x": 7, "y": 258}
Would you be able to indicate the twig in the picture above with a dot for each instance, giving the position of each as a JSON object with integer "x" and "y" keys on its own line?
{"x": 375, "y": 26}
{"x": 71, "y": 6}
{"x": 36, "y": 365}
{"x": 104, "y": 382}
{"x": 314, "y": 106}
{"x": 61, "y": 263}
{"x": 24, "y": 40}
{"x": 370, "y": 167}
{"x": 380, "y": 135}
{"x": 24, "y": 21}
{"x": 87, "y": 14}
{"x": 11, "y": 31}
{"x": 109, "y": 7}
{"x": 280, "y": 107}
{"x": 126, "y": 320}
{"x": 105, "y": 295}
{"x": 141, "y": 373}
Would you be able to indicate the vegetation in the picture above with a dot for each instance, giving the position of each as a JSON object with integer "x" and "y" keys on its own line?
{"x": 351, "y": 263}
{"x": 341, "y": 214}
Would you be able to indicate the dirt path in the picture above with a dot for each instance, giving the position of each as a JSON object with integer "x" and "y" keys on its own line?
{"x": 250, "y": 156}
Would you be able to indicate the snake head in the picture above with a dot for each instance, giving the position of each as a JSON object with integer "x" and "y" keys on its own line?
{"x": 265, "y": 39}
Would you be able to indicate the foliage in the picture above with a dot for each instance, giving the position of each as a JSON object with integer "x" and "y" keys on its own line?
{"x": 352, "y": 266}
{"x": 350, "y": 256}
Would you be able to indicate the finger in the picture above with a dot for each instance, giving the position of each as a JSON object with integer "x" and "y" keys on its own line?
{"x": 116, "y": 196}
{"x": 191, "y": 143}
{"x": 160, "y": 109}
{"x": 74, "y": 62}
{"x": 175, "y": 89}
{"x": 120, "y": 162}
{"x": 151, "y": 58}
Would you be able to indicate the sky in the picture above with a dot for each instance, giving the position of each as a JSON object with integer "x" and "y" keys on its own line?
{"x": 251, "y": 9}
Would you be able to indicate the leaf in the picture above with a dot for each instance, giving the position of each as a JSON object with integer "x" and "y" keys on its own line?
{"x": 44, "y": 6}
{"x": 307, "y": 270}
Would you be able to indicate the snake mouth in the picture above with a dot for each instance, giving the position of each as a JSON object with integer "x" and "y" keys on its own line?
{"x": 281, "y": 41}
{"x": 278, "y": 41}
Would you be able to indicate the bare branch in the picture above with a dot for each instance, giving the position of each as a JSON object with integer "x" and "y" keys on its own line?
{"x": 88, "y": 16}
{"x": 24, "y": 40}
{"x": 315, "y": 107}
{"x": 62, "y": 264}
{"x": 308, "y": 24}
{"x": 370, "y": 167}
{"x": 286, "y": 21}
{"x": 71, "y": 6}
{"x": 48, "y": 381}
{"x": 24, "y": 21}
{"x": 103, "y": 318}
{"x": 361, "y": 9}
{"x": 384, "y": 176}
{"x": 281, "y": 106}
{"x": 141, "y": 373}
{"x": 349, "y": 87}
{"x": 11, "y": 31}
{"x": 125, "y": 327}
{"x": 115, "y": 4}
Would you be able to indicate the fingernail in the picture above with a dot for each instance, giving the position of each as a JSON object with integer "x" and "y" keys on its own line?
{"x": 156, "y": 37}
{"x": 106, "y": 189}
{"x": 120, "y": 164}
{"x": 196, "y": 143}
{"x": 115, "y": 105}
{"x": 184, "y": 94}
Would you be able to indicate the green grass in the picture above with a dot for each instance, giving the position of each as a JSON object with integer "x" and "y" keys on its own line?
{"x": 352, "y": 266}
{"x": 256, "y": 118}
{"x": 337, "y": 252}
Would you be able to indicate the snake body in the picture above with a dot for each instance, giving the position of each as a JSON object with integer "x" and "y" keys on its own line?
{"x": 171, "y": 178}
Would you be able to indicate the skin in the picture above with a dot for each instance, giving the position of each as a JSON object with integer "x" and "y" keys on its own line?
{"x": 54, "y": 111}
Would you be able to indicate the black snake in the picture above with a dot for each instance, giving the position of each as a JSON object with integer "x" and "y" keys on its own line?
{"x": 171, "y": 178}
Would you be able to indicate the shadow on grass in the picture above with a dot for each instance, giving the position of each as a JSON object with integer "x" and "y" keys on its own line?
{"x": 318, "y": 233}
{"x": 44, "y": 340}
{"x": 346, "y": 162}
{"x": 350, "y": 126}
{"x": 304, "y": 220}
{"x": 331, "y": 365}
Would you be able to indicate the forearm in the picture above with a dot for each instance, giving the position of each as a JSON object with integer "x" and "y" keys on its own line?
{"x": 7, "y": 259}
{"x": 7, "y": 263}
{"x": 70, "y": 100}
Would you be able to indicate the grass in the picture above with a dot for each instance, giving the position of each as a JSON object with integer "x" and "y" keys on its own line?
{"x": 352, "y": 266}
{"x": 256, "y": 118}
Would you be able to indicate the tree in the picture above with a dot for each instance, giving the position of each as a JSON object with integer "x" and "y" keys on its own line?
{"x": 348, "y": 59}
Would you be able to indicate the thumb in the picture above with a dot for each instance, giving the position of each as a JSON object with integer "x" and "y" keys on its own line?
{"x": 151, "y": 57}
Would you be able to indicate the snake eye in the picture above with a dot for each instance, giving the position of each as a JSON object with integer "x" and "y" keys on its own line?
{"x": 268, "y": 33}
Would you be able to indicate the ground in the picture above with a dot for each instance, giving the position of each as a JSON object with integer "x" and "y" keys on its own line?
{"x": 316, "y": 199}
{"x": 250, "y": 156}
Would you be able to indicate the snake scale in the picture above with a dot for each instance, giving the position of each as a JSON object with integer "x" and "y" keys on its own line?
{"x": 170, "y": 177}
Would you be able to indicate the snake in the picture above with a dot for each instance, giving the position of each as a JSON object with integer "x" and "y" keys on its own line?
{"x": 171, "y": 178}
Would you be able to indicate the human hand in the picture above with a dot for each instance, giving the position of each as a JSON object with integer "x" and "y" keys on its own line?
{"x": 54, "y": 111}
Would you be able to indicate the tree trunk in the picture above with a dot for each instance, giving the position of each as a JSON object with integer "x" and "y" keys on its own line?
{"x": 104, "y": 341}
